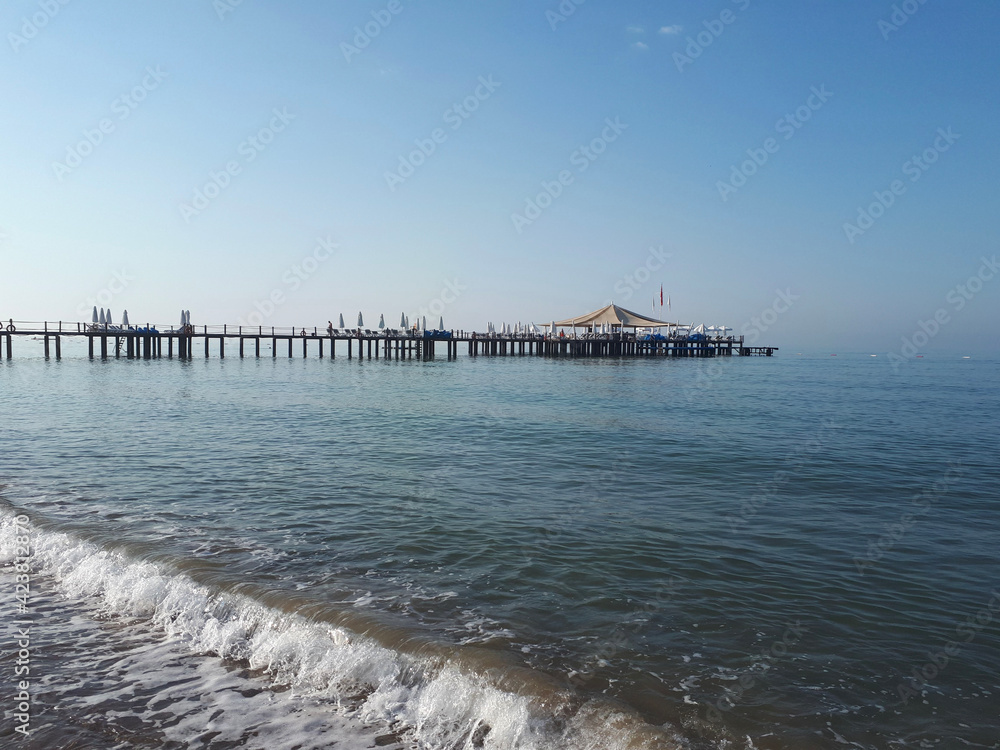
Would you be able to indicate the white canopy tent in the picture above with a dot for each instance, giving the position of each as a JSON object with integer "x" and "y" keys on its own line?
{"x": 613, "y": 316}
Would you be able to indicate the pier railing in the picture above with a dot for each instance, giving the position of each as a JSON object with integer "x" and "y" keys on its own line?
{"x": 69, "y": 328}
{"x": 148, "y": 341}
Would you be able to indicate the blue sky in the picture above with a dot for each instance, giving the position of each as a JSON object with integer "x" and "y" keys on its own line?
{"x": 182, "y": 87}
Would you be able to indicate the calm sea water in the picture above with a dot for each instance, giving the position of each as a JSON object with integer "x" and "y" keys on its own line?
{"x": 786, "y": 552}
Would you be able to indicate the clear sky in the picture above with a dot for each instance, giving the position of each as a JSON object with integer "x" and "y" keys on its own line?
{"x": 716, "y": 148}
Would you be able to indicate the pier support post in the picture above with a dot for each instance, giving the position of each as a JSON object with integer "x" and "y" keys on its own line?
{"x": 104, "y": 347}
{"x": 58, "y": 347}
{"x": 46, "y": 346}
{"x": 349, "y": 348}
{"x": 257, "y": 347}
{"x": 289, "y": 347}
{"x": 305, "y": 351}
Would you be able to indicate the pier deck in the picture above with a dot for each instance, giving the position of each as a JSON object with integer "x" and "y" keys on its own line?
{"x": 141, "y": 343}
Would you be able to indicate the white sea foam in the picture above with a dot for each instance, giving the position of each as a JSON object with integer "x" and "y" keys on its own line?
{"x": 437, "y": 702}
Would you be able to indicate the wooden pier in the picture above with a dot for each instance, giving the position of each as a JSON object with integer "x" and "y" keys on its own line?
{"x": 145, "y": 342}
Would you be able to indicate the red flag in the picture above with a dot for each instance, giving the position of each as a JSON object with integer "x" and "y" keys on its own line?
{"x": 661, "y": 295}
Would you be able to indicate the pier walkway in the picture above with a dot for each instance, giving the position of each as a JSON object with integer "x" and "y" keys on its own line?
{"x": 146, "y": 342}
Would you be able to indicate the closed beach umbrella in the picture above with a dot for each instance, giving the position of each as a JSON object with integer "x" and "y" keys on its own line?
{"x": 402, "y": 320}
{"x": 361, "y": 320}
{"x": 124, "y": 317}
{"x": 553, "y": 329}
{"x": 187, "y": 317}
{"x": 107, "y": 317}
{"x": 441, "y": 323}
{"x": 381, "y": 321}
{"x": 95, "y": 320}
{"x": 100, "y": 318}
{"x": 342, "y": 320}
{"x": 183, "y": 319}
{"x": 423, "y": 326}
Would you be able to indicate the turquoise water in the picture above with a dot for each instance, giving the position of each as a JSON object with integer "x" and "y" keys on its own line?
{"x": 507, "y": 552}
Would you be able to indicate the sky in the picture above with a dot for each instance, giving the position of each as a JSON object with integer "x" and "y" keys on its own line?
{"x": 813, "y": 175}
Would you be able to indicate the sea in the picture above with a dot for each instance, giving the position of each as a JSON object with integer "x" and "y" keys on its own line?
{"x": 508, "y": 553}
